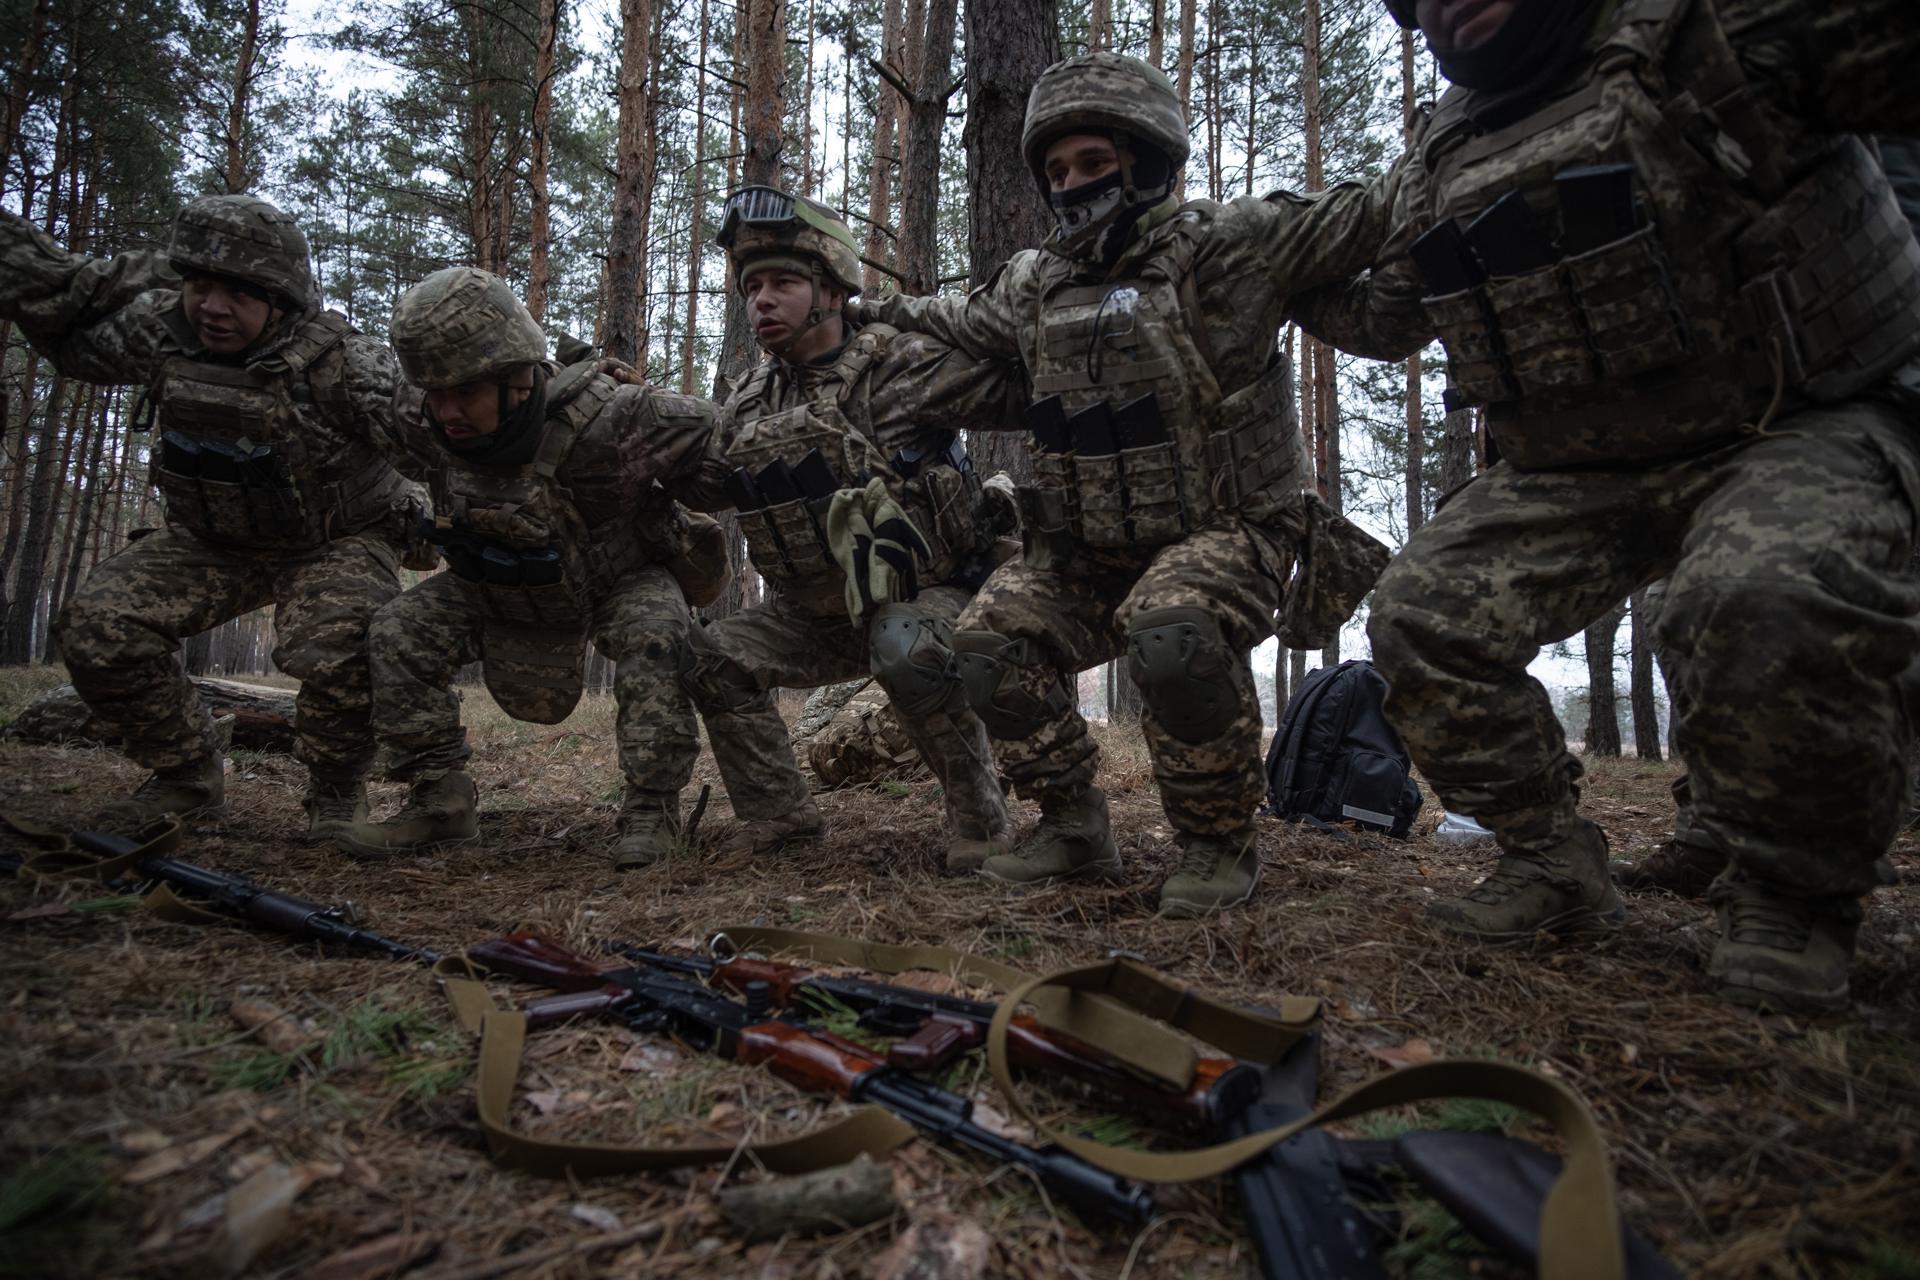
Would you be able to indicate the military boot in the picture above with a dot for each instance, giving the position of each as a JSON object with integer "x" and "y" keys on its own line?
{"x": 649, "y": 829}
{"x": 439, "y": 808}
{"x": 967, "y": 854}
{"x": 1073, "y": 841}
{"x": 334, "y": 808}
{"x": 198, "y": 789}
{"x": 1787, "y": 953}
{"x": 1679, "y": 868}
{"x": 1215, "y": 873}
{"x": 764, "y": 835}
{"x": 1562, "y": 890}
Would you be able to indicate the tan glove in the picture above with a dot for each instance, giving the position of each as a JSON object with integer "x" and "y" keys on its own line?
{"x": 876, "y": 546}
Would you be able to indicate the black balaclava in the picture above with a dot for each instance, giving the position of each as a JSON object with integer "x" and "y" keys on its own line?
{"x": 1095, "y": 218}
{"x": 518, "y": 436}
{"x": 1533, "y": 45}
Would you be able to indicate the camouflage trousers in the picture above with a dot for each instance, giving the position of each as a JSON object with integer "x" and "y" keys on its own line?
{"x": 1789, "y": 619}
{"x": 422, "y": 639}
{"x": 802, "y": 642}
{"x": 1079, "y": 615}
{"x": 120, "y": 633}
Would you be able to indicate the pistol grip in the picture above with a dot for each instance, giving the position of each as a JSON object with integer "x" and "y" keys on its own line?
{"x": 934, "y": 1044}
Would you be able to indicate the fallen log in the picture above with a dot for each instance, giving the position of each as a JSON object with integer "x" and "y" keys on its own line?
{"x": 262, "y": 716}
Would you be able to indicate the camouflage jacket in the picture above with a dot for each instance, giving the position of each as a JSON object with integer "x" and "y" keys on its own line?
{"x": 1742, "y": 116}
{"x": 117, "y": 321}
{"x": 1256, "y": 254}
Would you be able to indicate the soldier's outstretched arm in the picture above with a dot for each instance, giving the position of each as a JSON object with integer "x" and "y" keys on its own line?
{"x": 923, "y": 381}
{"x": 96, "y": 319}
{"x": 985, "y": 323}
{"x": 1848, "y": 66}
{"x": 672, "y": 440}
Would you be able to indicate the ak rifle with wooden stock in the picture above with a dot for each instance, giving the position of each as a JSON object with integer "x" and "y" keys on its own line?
{"x": 809, "y": 1059}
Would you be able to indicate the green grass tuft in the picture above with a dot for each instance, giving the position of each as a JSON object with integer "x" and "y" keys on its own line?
{"x": 52, "y": 1221}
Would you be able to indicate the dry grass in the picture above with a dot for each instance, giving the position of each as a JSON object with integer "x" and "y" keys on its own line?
{"x": 1744, "y": 1146}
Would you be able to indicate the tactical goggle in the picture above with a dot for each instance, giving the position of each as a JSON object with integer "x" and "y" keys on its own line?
{"x": 1402, "y": 11}
{"x": 755, "y": 207}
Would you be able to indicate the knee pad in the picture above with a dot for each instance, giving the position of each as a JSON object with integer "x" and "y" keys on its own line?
{"x": 991, "y": 667}
{"x": 715, "y": 681}
{"x": 1184, "y": 669}
{"x": 911, "y": 655}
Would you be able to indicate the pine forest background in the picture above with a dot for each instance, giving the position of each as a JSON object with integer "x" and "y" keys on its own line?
{"x": 582, "y": 148}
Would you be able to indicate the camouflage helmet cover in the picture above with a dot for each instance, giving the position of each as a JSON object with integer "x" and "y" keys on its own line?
{"x": 463, "y": 325}
{"x": 1103, "y": 92}
{"x": 243, "y": 238}
{"x": 814, "y": 231}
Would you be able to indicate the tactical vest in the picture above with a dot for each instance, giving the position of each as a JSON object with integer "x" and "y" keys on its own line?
{"x": 234, "y": 461}
{"x": 529, "y": 561}
{"x": 1758, "y": 264}
{"x": 786, "y": 541}
{"x": 1156, "y": 471}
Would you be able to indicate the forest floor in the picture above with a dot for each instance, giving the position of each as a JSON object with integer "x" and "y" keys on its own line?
{"x": 133, "y": 1105}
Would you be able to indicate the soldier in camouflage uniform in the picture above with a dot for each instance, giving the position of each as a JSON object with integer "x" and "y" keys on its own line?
{"x": 1658, "y": 254}
{"x": 551, "y": 536}
{"x": 270, "y": 428}
{"x": 841, "y": 442}
{"x": 1169, "y": 510}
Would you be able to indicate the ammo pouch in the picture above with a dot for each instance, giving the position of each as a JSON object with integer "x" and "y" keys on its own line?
{"x": 1599, "y": 316}
{"x": 943, "y": 502}
{"x": 1253, "y": 451}
{"x": 231, "y": 492}
{"x": 787, "y": 542}
{"x": 1338, "y": 564}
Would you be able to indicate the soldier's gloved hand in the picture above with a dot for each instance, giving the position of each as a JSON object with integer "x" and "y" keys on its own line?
{"x": 875, "y": 545}
{"x": 897, "y": 546}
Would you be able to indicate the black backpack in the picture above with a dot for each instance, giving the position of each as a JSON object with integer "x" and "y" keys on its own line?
{"x": 1336, "y": 759}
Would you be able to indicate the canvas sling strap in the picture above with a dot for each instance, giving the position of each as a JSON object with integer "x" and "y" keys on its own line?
{"x": 872, "y": 1130}
{"x": 1579, "y": 1221}
{"x": 57, "y": 859}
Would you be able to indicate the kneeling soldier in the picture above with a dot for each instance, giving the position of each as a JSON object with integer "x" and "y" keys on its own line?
{"x": 272, "y": 421}
{"x": 550, "y": 539}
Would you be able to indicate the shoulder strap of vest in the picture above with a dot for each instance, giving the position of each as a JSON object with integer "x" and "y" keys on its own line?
{"x": 859, "y": 355}
{"x": 583, "y": 398}
{"x": 316, "y": 336}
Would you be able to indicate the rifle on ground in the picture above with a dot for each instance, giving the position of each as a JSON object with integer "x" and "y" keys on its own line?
{"x": 812, "y": 1060}
{"x": 244, "y": 900}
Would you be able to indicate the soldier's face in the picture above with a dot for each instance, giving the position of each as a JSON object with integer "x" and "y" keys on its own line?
{"x": 778, "y": 303}
{"x": 1079, "y": 158}
{"x": 226, "y": 320}
{"x": 472, "y": 409}
{"x": 1463, "y": 24}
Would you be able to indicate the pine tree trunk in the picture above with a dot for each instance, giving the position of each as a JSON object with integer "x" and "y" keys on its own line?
{"x": 539, "y": 271}
{"x": 1009, "y": 43}
{"x": 1157, "y": 34}
{"x": 1183, "y": 79}
{"x": 697, "y": 228}
{"x": 627, "y": 242}
{"x": 886, "y": 113}
{"x": 237, "y": 177}
{"x": 1603, "y": 712}
{"x": 24, "y": 66}
{"x": 16, "y": 642}
{"x": 85, "y": 460}
{"x": 1100, "y": 25}
{"x": 919, "y": 261}
{"x": 1646, "y": 707}
{"x": 766, "y": 71}
{"x": 1416, "y": 420}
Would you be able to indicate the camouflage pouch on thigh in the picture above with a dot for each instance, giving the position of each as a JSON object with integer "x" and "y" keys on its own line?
{"x": 1338, "y": 564}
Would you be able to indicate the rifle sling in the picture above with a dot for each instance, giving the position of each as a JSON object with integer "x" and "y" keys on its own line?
{"x": 870, "y": 1130}
{"x": 1579, "y": 1221}
{"x": 58, "y": 859}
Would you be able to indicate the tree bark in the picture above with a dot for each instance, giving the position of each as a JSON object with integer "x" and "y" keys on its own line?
{"x": 1183, "y": 79}
{"x": 539, "y": 213}
{"x": 1100, "y": 25}
{"x": 627, "y": 242}
{"x": 16, "y": 643}
{"x": 238, "y": 179}
{"x": 886, "y": 112}
{"x": 919, "y": 259}
{"x": 1646, "y": 707}
{"x": 1603, "y": 712}
{"x": 696, "y": 228}
{"x": 1416, "y": 420}
{"x": 1009, "y": 43}
{"x": 766, "y": 73}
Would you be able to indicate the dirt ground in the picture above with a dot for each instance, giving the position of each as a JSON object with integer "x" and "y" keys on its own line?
{"x": 137, "y": 1114}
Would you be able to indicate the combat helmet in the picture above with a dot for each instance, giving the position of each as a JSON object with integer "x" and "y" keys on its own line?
{"x": 1126, "y": 99}
{"x": 763, "y": 227}
{"x": 243, "y": 238}
{"x": 461, "y": 325}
